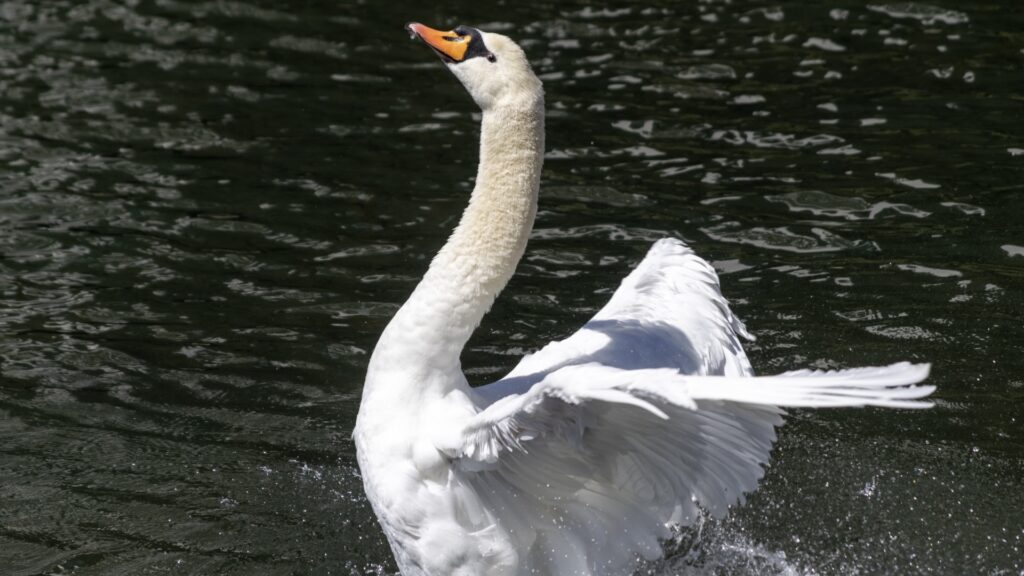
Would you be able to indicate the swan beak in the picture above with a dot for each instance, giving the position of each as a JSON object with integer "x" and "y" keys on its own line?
{"x": 450, "y": 46}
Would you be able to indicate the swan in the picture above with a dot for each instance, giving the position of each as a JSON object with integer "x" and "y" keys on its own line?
{"x": 585, "y": 456}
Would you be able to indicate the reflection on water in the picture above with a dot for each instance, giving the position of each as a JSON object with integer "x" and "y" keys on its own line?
{"x": 209, "y": 210}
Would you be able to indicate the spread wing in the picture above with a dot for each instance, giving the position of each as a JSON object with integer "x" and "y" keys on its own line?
{"x": 668, "y": 313}
{"x": 590, "y": 449}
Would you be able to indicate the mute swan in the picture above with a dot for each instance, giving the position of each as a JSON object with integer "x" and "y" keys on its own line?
{"x": 581, "y": 460}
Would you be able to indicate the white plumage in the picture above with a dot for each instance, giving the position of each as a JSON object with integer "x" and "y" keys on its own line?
{"x": 581, "y": 460}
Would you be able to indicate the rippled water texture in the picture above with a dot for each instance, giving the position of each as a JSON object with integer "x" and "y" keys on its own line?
{"x": 209, "y": 210}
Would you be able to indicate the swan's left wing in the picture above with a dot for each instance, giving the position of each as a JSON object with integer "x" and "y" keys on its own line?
{"x": 592, "y": 447}
{"x": 591, "y": 466}
{"x": 669, "y": 312}
{"x": 579, "y": 398}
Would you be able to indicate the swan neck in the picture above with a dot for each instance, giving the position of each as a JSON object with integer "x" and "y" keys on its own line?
{"x": 428, "y": 333}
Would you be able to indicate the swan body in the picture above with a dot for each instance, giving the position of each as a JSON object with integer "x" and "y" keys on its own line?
{"x": 581, "y": 460}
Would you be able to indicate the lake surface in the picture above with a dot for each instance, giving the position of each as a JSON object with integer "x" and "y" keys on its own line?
{"x": 209, "y": 211}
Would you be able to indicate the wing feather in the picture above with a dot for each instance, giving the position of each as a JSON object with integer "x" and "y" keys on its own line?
{"x": 591, "y": 448}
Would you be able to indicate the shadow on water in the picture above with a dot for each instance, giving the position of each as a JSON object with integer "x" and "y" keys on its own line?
{"x": 209, "y": 211}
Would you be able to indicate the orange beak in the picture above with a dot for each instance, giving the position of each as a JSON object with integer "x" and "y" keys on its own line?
{"x": 449, "y": 45}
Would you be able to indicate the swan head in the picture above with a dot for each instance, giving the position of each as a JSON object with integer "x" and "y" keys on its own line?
{"x": 492, "y": 67}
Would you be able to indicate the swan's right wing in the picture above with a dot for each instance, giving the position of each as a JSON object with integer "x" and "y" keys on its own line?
{"x": 589, "y": 467}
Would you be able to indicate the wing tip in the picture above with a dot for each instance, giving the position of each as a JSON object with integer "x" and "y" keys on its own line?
{"x": 893, "y": 386}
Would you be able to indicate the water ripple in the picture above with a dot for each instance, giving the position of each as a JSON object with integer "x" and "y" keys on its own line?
{"x": 925, "y": 13}
{"x": 209, "y": 210}
{"x": 782, "y": 238}
{"x": 846, "y": 207}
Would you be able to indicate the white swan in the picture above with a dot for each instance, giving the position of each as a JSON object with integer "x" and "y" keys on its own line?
{"x": 581, "y": 459}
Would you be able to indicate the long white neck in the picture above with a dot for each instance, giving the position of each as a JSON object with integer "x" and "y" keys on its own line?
{"x": 426, "y": 337}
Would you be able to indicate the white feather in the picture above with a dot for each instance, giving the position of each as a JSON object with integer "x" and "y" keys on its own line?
{"x": 653, "y": 441}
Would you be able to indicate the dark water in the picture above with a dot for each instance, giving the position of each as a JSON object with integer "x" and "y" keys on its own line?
{"x": 209, "y": 210}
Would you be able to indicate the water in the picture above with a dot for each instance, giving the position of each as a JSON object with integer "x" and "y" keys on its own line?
{"x": 209, "y": 211}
